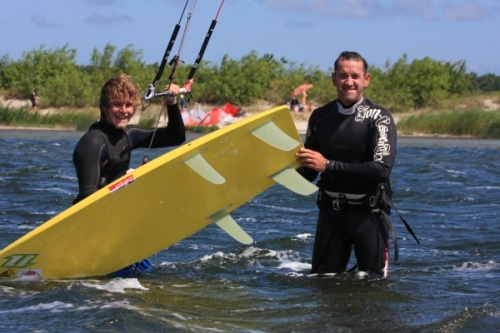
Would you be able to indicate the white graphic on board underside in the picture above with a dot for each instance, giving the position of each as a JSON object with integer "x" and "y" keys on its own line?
{"x": 19, "y": 260}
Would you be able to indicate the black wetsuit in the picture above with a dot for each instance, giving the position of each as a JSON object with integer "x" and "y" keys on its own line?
{"x": 103, "y": 154}
{"x": 360, "y": 143}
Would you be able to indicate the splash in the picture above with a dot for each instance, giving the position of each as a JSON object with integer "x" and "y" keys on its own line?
{"x": 117, "y": 285}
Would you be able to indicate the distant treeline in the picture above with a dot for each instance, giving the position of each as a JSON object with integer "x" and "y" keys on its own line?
{"x": 400, "y": 86}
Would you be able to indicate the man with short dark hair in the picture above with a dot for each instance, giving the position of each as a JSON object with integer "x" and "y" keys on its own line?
{"x": 351, "y": 142}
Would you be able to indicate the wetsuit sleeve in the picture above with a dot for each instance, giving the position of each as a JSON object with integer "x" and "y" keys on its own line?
{"x": 87, "y": 160}
{"x": 171, "y": 135}
{"x": 175, "y": 132}
{"x": 383, "y": 141}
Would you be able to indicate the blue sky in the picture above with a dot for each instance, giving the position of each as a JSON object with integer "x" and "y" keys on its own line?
{"x": 309, "y": 32}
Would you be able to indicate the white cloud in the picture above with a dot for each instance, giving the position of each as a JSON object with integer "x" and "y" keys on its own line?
{"x": 42, "y": 22}
{"x": 100, "y": 19}
{"x": 419, "y": 8}
{"x": 467, "y": 10}
{"x": 449, "y": 10}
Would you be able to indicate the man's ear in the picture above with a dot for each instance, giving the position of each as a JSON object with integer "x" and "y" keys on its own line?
{"x": 333, "y": 79}
{"x": 368, "y": 78}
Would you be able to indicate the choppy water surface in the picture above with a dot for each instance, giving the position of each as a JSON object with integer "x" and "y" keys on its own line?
{"x": 447, "y": 189}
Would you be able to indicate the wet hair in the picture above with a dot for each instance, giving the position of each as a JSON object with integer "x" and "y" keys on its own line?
{"x": 350, "y": 55}
{"x": 119, "y": 88}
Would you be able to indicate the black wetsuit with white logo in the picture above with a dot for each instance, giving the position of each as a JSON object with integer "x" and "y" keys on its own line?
{"x": 360, "y": 143}
{"x": 103, "y": 154}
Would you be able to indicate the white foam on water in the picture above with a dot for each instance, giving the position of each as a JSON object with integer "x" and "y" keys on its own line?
{"x": 486, "y": 187}
{"x": 56, "y": 190}
{"x": 287, "y": 259}
{"x": 477, "y": 266}
{"x": 179, "y": 316}
{"x": 107, "y": 304}
{"x": 458, "y": 172}
{"x": 280, "y": 208}
{"x": 118, "y": 285}
{"x": 252, "y": 252}
{"x": 53, "y": 307}
{"x": 187, "y": 285}
{"x": 362, "y": 275}
{"x": 295, "y": 266}
{"x": 9, "y": 290}
{"x": 303, "y": 236}
{"x": 296, "y": 274}
{"x": 246, "y": 219}
{"x": 29, "y": 227}
{"x": 66, "y": 177}
{"x": 322, "y": 275}
{"x": 217, "y": 255}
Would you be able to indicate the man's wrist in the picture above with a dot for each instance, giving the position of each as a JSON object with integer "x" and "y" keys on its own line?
{"x": 171, "y": 102}
{"x": 326, "y": 166}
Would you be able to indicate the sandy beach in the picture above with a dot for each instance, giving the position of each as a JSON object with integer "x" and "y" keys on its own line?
{"x": 300, "y": 118}
{"x": 300, "y": 121}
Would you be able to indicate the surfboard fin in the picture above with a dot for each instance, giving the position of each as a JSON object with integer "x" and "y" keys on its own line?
{"x": 199, "y": 165}
{"x": 271, "y": 134}
{"x": 292, "y": 180}
{"x": 232, "y": 228}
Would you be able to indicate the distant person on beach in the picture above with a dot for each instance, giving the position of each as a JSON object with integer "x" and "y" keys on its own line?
{"x": 34, "y": 98}
{"x": 294, "y": 105}
{"x": 183, "y": 102}
{"x": 351, "y": 143}
{"x": 103, "y": 154}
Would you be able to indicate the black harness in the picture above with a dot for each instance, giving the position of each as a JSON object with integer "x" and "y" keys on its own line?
{"x": 378, "y": 203}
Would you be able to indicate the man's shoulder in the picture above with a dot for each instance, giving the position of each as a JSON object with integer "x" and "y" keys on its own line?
{"x": 93, "y": 135}
{"x": 374, "y": 105}
{"x": 321, "y": 111}
{"x": 133, "y": 127}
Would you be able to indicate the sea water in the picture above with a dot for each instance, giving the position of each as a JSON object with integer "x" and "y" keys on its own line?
{"x": 447, "y": 189}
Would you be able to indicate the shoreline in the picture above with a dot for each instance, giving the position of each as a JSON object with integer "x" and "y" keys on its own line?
{"x": 300, "y": 119}
{"x": 301, "y": 129}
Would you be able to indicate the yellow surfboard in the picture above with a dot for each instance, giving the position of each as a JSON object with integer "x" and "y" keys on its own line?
{"x": 164, "y": 201}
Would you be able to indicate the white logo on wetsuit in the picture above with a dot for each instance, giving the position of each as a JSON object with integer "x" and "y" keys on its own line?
{"x": 383, "y": 148}
{"x": 364, "y": 112}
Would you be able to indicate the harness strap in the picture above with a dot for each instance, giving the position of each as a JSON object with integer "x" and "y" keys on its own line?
{"x": 389, "y": 202}
{"x": 345, "y": 196}
{"x": 389, "y": 225}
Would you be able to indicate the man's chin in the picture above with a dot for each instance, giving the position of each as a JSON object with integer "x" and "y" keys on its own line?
{"x": 120, "y": 123}
{"x": 350, "y": 99}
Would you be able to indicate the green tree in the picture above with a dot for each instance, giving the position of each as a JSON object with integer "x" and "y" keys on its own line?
{"x": 460, "y": 82}
{"x": 399, "y": 86}
{"x": 130, "y": 61}
{"x": 100, "y": 68}
{"x": 389, "y": 87}
{"x": 487, "y": 82}
{"x": 429, "y": 82}
{"x": 54, "y": 72}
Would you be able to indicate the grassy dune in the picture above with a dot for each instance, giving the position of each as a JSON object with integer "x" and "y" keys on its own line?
{"x": 472, "y": 117}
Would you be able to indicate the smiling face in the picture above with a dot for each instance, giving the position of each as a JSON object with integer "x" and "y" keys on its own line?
{"x": 118, "y": 101}
{"x": 350, "y": 79}
{"x": 119, "y": 113}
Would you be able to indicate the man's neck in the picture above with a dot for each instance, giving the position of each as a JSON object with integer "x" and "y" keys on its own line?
{"x": 348, "y": 110}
